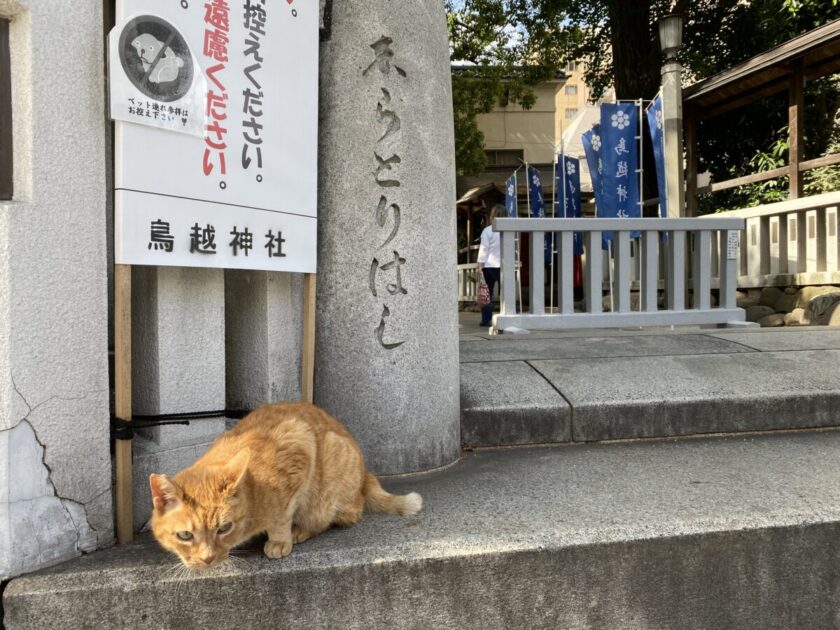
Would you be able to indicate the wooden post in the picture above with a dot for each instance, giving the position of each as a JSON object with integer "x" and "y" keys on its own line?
{"x": 691, "y": 200}
{"x": 796, "y": 126}
{"x": 122, "y": 400}
{"x": 307, "y": 377}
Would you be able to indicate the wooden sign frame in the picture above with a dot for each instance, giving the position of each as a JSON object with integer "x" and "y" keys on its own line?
{"x": 122, "y": 385}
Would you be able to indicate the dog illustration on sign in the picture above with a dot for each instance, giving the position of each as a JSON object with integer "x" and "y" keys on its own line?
{"x": 148, "y": 48}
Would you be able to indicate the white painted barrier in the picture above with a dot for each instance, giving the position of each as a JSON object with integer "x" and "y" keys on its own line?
{"x": 661, "y": 239}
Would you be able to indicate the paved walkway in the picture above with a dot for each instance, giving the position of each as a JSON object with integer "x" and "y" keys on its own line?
{"x": 581, "y": 386}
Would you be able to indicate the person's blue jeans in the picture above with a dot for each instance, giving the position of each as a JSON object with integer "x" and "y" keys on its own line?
{"x": 491, "y": 277}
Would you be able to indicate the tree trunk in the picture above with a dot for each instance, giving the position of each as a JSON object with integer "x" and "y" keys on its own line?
{"x": 635, "y": 49}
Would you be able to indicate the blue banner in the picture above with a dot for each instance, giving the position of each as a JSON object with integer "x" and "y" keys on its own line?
{"x": 567, "y": 180}
{"x": 510, "y": 198}
{"x": 538, "y": 204}
{"x": 620, "y": 153}
{"x": 536, "y": 193}
{"x": 657, "y": 137}
{"x": 592, "y": 150}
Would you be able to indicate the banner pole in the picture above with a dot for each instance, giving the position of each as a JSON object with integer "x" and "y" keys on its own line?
{"x": 551, "y": 259}
{"x": 122, "y": 401}
{"x": 641, "y": 130}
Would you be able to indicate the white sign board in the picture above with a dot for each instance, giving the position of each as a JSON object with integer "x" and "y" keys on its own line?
{"x": 243, "y": 194}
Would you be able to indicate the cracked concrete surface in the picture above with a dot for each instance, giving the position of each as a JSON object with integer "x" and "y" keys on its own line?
{"x": 41, "y": 526}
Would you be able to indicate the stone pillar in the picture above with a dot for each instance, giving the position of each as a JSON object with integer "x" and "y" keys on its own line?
{"x": 263, "y": 320}
{"x": 178, "y": 366}
{"x": 387, "y": 330}
{"x": 673, "y": 128}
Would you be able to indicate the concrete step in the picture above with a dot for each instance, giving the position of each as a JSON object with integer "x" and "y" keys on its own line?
{"x": 736, "y": 532}
{"x": 553, "y": 388}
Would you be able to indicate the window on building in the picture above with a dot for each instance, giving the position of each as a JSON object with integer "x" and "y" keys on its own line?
{"x": 571, "y": 90}
{"x": 570, "y": 112}
{"x": 6, "y": 171}
{"x": 505, "y": 157}
{"x": 572, "y": 66}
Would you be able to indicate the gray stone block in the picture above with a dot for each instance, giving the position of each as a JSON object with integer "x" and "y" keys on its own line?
{"x": 509, "y": 403}
{"x": 178, "y": 340}
{"x": 387, "y": 329}
{"x": 707, "y": 533}
{"x": 591, "y": 347}
{"x": 799, "y": 339}
{"x": 643, "y": 397}
{"x": 263, "y": 329}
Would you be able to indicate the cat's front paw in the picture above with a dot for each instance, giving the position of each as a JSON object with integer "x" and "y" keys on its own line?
{"x": 277, "y": 549}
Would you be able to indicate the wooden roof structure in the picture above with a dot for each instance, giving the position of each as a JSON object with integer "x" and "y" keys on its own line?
{"x": 783, "y": 69}
{"x": 813, "y": 54}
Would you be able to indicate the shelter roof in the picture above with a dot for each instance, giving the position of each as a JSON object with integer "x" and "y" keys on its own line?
{"x": 818, "y": 51}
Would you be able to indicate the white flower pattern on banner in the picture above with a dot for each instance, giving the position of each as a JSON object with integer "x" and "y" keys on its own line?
{"x": 596, "y": 142}
{"x": 536, "y": 179}
{"x": 659, "y": 119}
{"x": 511, "y": 191}
{"x": 620, "y": 120}
{"x": 570, "y": 168}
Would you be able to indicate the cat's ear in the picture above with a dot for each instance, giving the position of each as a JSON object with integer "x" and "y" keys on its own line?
{"x": 165, "y": 494}
{"x": 235, "y": 469}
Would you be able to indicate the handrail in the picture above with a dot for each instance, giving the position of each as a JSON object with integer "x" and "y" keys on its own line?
{"x": 783, "y": 207}
{"x": 712, "y": 222}
{"x": 790, "y": 243}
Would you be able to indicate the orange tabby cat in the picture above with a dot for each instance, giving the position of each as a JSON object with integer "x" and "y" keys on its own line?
{"x": 289, "y": 470}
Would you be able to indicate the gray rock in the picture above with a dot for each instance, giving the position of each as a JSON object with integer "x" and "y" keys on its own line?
{"x": 806, "y": 294}
{"x": 754, "y": 313}
{"x": 786, "y": 302}
{"x": 833, "y": 317}
{"x": 796, "y": 318}
{"x": 746, "y": 302}
{"x": 820, "y": 308}
{"x": 769, "y": 296}
{"x": 387, "y": 328}
{"x": 772, "y": 321}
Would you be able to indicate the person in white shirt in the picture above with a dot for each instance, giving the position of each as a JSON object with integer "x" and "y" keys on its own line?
{"x": 489, "y": 260}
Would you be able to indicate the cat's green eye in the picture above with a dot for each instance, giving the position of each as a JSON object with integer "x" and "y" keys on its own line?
{"x": 185, "y": 535}
{"x": 224, "y": 529}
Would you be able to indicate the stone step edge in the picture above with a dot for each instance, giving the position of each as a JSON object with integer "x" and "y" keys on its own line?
{"x": 478, "y": 571}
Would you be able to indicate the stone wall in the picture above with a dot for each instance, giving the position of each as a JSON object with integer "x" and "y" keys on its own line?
{"x": 55, "y": 466}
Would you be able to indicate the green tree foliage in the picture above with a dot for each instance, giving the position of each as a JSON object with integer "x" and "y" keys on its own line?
{"x": 504, "y": 47}
{"x": 499, "y": 49}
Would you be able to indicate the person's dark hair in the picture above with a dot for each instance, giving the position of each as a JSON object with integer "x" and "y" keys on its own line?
{"x": 495, "y": 212}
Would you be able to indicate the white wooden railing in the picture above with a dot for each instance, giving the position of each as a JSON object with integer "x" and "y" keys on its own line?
{"x": 467, "y": 285}
{"x": 669, "y": 235}
{"x": 790, "y": 243}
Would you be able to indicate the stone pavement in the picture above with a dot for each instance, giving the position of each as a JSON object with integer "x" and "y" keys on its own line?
{"x": 736, "y": 532}
{"x": 548, "y": 387}
{"x": 732, "y": 531}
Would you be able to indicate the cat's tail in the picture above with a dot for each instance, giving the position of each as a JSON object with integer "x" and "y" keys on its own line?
{"x": 378, "y": 500}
